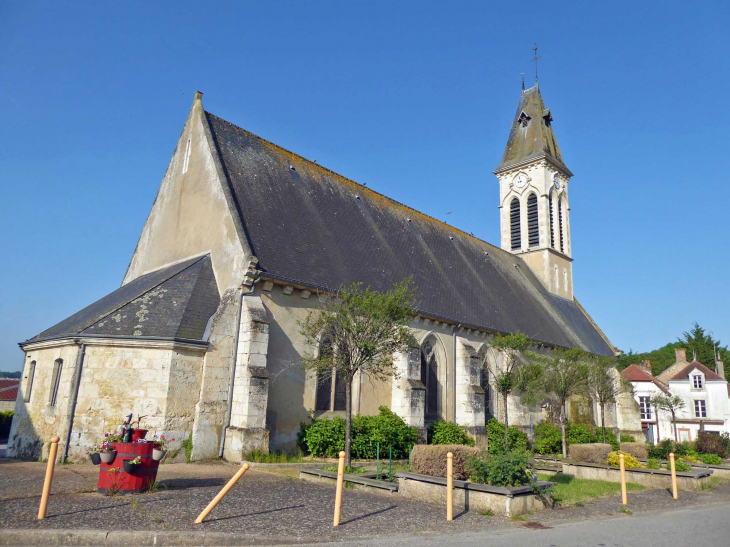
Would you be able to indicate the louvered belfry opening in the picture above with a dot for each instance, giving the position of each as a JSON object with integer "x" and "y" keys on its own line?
{"x": 560, "y": 223}
{"x": 552, "y": 228}
{"x": 514, "y": 222}
{"x": 532, "y": 224}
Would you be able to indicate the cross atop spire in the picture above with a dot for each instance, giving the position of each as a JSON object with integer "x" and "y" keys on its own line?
{"x": 534, "y": 60}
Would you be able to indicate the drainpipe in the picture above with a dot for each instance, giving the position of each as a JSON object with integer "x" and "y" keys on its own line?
{"x": 75, "y": 396}
{"x": 233, "y": 366}
{"x": 453, "y": 374}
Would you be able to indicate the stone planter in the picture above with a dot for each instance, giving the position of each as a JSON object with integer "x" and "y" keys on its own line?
{"x": 158, "y": 454}
{"x": 108, "y": 457}
{"x": 95, "y": 458}
{"x": 470, "y": 496}
{"x": 695, "y": 480}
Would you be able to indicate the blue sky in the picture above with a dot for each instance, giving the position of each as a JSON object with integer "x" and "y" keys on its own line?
{"x": 413, "y": 98}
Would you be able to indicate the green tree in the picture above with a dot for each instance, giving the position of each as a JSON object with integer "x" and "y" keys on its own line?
{"x": 365, "y": 328}
{"x": 512, "y": 375}
{"x": 604, "y": 384}
{"x": 671, "y": 404}
{"x": 563, "y": 374}
{"x": 701, "y": 345}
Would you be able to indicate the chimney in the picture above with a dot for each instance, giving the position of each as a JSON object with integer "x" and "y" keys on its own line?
{"x": 719, "y": 366}
{"x": 680, "y": 355}
{"x": 648, "y": 366}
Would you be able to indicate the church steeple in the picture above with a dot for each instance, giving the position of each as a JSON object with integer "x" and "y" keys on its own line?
{"x": 533, "y": 181}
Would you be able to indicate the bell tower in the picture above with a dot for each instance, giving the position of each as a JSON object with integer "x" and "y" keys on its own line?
{"x": 533, "y": 196}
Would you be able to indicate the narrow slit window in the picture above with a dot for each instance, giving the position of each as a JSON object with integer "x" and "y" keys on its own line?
{"x": 186, "y": 162}
{"x": 55, "y": 381}
{"x": 552, "y": 228}
{"x": 532, "y": 221}
{"x": 560, "y": 224}
{"x": 514, "y": 223}
{"x": 29, "y": 382}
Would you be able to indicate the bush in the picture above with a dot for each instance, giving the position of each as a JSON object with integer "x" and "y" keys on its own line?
{"x": 610, "y": 438}
{"x": 661, "y": 451}
{"x": 627, "y": 438}
{"x": 653, "y": 463}
{"x": 326, "y": 436}
{"x": 516, "y": 439}
{"x": 448, "y": 433}
{"x": 579, "y": 434}
{"x": 684, "y": 449}
{"x": 548, "y": 439}
{"x": 6, "y": 419}
{"x": 709, "y": 443}
{"x": 508, "y": 469}
{"x": 637, "y": 450}
{"x": 711, "y": 459}
{"x": 589, "y": 453}
{"x": 430, "y": 459}
{"x": 629, "y": 461}
{"x": 689, "y": 458}
{"x": 681, "y": 467}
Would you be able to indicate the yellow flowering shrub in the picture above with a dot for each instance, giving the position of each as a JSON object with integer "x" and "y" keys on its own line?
{"x": 629, "y": 461}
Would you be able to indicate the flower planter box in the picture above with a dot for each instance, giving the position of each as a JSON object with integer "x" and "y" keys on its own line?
{"x": 470, "y": 496}
{"x": 112, "y": 476}
{"x": 359, "y": 481}
{"x": 695, "y": 480}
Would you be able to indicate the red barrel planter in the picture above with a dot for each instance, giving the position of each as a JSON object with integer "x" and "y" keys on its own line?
{"x": 112, "y": 475}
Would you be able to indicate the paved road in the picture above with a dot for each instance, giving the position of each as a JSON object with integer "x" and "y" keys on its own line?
{"x": 697, "y": 526}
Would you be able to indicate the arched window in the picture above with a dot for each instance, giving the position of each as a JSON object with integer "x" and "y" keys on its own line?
{"x": 533, "y": 228}
{"x": 514, "y": 223}
{"x": 326, "y": 399}
{"x": 29, "y": 382}
{"x": 560, "y": 223}
{"x": 55, "y": 381}
{"x": 429, "y": 377}
{"x": 552, "y": 228}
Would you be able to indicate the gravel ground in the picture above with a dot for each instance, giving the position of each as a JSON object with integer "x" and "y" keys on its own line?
{"x": 273, "y": 506}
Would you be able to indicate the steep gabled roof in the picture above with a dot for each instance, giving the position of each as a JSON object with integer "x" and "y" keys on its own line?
{"x": 310, "y": 226}
{"x": 634, "y": 373}
{"x": 696, "y": 365}
{"x": 173, "y": 302}
{"x": 531, "y": 136}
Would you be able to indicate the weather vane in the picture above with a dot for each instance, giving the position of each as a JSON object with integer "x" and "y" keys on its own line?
{"x": 534, "y": 59}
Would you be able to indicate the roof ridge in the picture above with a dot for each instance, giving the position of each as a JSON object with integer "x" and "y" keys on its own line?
{"x": 362, "y": 186}
{"x": 165, "y": 280}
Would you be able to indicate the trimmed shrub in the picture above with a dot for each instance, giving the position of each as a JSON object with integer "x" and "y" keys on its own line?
{"x": 710, "y": 443}
{"x": 495, "y": 438}
{"x": 548, "y": 439}
{"x": 430, "y": 459}
{"x": 579, "y": 434}
{"x": 589, "y": 453}
{"x": 6, "y": 418}
{"x": 653, "y": 463}
{"x": 448, "y": 433}
{"x": 661, "y": 451}
{"x": 627, "y": 438}
{"x": 508, "y": 469}
{"x": 637, "y": 450}
{"x": 326, "y": 436}
{"x": 610, "y": 438}
{"x": 711, "y": 459}
{"x": 629, "y": 461}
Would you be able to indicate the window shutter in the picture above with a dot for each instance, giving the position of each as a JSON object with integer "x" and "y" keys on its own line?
{"x": 532, "y": 221}
{"x": 514, "y": 221}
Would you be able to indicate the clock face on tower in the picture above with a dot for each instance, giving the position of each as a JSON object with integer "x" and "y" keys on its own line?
{"x": 521, "y": 180}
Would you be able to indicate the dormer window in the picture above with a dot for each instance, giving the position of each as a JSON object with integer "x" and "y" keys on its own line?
{"x": 524, "y": 119}
{"x": 547, "y": 116}
{"x": 697, "y": 381}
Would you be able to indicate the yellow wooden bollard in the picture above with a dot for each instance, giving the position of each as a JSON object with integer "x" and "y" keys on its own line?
{"x": 673, "y": 468}
{"x": 222, "y": 493}
{"x": 338, "y": 493}
{"x": 49, "y": 477}
{"x": 624, "y": 499}
{"x": 449, "y": 486}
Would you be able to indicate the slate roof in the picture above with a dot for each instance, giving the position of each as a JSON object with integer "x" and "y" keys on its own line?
{"x": 9, "y": 389}
{"x": 171, "y": 303}
{"x": 310, "y": 226}
{"x": 686, "y": 371}
{"x": 531, "y": 136}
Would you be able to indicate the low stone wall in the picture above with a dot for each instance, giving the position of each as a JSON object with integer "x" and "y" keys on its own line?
{"x": 469, "y": 496}
{"x": 363, "y": 481}
{"x": 694, "y": 480}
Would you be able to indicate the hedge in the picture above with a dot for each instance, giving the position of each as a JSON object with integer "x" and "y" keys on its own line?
{"x": 516, "y": 438}
{"x": 637, "y": 450}
{"x": 589, "y": 453}
{"x": 430, "y": 459}
{"x": 6, "y": 418}
{"x": 448, "y": 433}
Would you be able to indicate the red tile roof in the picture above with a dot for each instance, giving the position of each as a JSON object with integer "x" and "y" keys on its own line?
{"x": 634, "y": 373}
{"x": 685, "y": 372}
{"x": 9, "y": 389}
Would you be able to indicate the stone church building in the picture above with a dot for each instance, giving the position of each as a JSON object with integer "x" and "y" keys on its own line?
{"x": 202, "y": 338}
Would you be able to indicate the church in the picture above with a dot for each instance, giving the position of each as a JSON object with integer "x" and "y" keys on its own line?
{"x": 202, "y": 340}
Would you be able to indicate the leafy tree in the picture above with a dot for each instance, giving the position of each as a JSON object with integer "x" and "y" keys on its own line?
{"x": 702, "y": 346}
{"x": 671, "y": 404}
{"x": 512, "y": 375}
{"x": 563, "y": 374}
{"x": 604, "y": 385}
{"x": 661, "y": 359}
{"x": 365, "y": 328}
